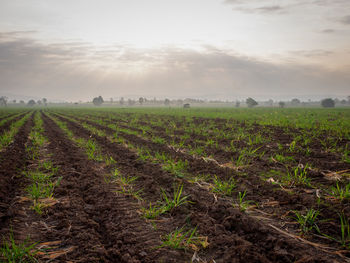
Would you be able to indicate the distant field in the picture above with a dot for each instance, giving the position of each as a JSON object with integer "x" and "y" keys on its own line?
{"x": 173, "y": 184}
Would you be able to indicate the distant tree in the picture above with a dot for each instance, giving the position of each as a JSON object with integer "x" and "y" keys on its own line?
{"x": 282, "y": 104}
{"x": 14, "y": 101}
{"x": 3, "y": 101}
{"x": 295, "y": 102}
{"x": 121, "y": 101}
{"x": 328, "y": 103}
{"x": 21, "y": 102}
{"x": 269, "y": 102}
{"x": 131, "y": 102}
{"x": 251, "y": 102}
{"x": 237, "y": 104}
{"x": 166, "y": 102}
{"x": 31, "y": 103}
{"x": 141, "y": 100}
{"x": 97, "y": 101}
{"x": 44, "y": 101}
{"x": 38, "y": 102}
{"x": 343, "y": 102}
{"x": 349, "y": 99}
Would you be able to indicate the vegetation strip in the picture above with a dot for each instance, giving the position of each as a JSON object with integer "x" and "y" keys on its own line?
{"x": 13, "y": 160}
{"x": 7, "y": 137}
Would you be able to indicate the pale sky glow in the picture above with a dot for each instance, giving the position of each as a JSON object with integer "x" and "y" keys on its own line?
{"x": 200, "y": 48}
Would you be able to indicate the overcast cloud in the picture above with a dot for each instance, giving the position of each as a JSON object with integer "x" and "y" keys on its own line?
{"x": 75, "y": 50}
{"x": 63, "y": 71}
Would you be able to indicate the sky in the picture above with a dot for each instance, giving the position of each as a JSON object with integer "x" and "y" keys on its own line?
{"x": 75, "y": 50}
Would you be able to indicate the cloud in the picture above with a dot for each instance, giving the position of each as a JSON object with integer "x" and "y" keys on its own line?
{"x": 270, "y": 7}
{"x": 311, "y": 53}
{"x": 328, "y": 31}
{"x": 345, "y": 20}
{"x": 74, "y": 71}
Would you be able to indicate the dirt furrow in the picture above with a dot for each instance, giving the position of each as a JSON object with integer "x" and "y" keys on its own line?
{"x": 91, "y": 217}
{"x": 8, "y": 123}
{"x": 233, "y": 236}
{"x": 12, "y": 162}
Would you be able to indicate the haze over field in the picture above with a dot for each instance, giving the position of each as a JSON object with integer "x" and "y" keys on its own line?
{"x": 215, "y": 49}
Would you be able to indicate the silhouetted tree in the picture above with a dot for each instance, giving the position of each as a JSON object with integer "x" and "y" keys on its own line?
{"x": 295, "y": 102}
{"x": 21, "y": 102}
{"x": 131, "y": 102}
{"x": 39, "y": 102}
{"x": 251, "y": 102}
{"x": 141, "y": 100}
{"x": 97, "y": 101}
{"x": 14, "y": 101}
{"x": 166, "y": 102}
{"x": 31, "y": 103}
{"x": 44, "y": 101}
{"x": 328, "y": 103}
{"x": 282, "y": 104}
{"x": 121, "y": 101}
{"x": 3, "y": 101}
{"x": 237, "y": 104}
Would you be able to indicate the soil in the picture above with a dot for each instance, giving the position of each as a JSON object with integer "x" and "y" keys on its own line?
{"x": 233, "y": 236}
{"x": 93, "y": 221}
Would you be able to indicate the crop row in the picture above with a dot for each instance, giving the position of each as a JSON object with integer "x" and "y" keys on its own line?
{"x": 171, "y": 164}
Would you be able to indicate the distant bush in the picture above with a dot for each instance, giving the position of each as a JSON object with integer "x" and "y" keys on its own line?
{"x": 31, "y": 103}
{"x": 98, "y": 101}
{"x": 295, "y": 102}
{"x": 251, "y": 102}
{"x": 328, "y": 103}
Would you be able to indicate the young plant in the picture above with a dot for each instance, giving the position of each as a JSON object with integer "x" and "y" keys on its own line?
{"x": 307, "y": 222}
{"x": 344, "y": 230}
{"x": 151, "y": 212}
{"x": 167, "y": 204}
{"x": 16, "y": 253}
{"x": 298, "y": 176}
{"x": 178, "y": 168}
{"x": 177, "y": 200}
{"x": 224, "y": 187}
{"x": 243, "y": 205}
{"x": 179, "y": 239}
{"x": 340, "y": 193}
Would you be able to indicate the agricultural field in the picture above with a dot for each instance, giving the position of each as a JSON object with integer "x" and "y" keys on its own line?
{"x": 175, "y": 185}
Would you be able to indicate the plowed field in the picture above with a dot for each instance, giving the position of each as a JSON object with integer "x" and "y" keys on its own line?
{"x": 120, "y": 186}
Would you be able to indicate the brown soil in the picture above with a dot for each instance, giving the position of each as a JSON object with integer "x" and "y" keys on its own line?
{"x": 233, "y": 236}
{"x": 13, "y": 161}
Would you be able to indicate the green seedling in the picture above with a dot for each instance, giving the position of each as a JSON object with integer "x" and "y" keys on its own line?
{"x": 177, "y": 200}
{"x": 179, "y": 239}
{"x": 307, "y": 222}
{"x": 298, "y": 176}
{"x": 243, "y": 205}
{"x": 152, "y": 212}
{"x": 177, "y": 168}
{"x": 17, "y": 253}
{"x": 340, "y": 193}
{"x": 223, "y": 187}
